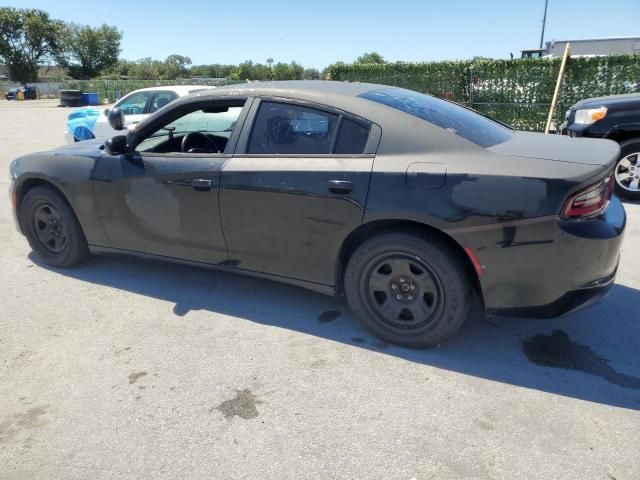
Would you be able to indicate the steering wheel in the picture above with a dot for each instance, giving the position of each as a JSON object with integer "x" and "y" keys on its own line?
{"x": 199, "y": 140}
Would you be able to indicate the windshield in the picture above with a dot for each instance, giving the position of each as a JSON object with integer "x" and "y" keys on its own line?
{"x": 456, "y": 119}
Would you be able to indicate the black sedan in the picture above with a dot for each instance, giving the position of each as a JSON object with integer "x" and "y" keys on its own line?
{"x": 405, "y": 204}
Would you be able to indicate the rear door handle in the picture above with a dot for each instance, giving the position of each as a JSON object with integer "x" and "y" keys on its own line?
{"x": 340, "y": 186}
{"x": 202, "y": 184}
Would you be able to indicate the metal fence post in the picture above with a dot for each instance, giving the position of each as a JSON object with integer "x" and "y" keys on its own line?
{"x": 471, "y": 87}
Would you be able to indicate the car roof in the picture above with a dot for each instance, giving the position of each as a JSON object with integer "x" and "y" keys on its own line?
{"x": 342, "y": 95}
{"x": 297, "y": 88}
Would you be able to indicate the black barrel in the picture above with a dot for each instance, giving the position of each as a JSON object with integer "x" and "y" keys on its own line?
{"x": 70, "y": 98}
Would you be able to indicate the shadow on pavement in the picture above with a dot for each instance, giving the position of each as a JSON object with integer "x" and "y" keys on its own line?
{"x": 590, "y": 355}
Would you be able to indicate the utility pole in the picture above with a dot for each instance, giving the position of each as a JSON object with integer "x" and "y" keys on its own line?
{"x": 544, "y": 21}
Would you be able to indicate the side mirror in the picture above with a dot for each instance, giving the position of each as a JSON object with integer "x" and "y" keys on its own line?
{"x": 116, "y": 118}
{"x": 116, "y": 145}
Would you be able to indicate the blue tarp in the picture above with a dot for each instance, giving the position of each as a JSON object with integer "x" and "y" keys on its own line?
{"x": 80, "y": 123}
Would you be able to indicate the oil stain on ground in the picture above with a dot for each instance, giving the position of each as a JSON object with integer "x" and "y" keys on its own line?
{"x": 133, "y": 377}
{"x": 329, "y": 316}
{"x": 243, "y": 405}
{"x": 559, "y": 351}
{"x": 32, "y": 418}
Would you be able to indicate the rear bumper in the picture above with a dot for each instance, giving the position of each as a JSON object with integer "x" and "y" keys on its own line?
{"x": 548, "y": 266}
{"x": 570, "y": 302}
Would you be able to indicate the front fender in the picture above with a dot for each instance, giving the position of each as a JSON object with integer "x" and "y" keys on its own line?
{"x": 623, "y": 131}
{"x": 71, "y": 176}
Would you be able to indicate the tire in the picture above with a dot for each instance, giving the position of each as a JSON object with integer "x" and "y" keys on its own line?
{"x": 426, "y": 272}
{"x": 52, "y": 228}
{"x": 627, "y": 170}
{"x": 70, "y": 98}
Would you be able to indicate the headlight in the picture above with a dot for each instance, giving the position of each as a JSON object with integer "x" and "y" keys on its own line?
{"x": 590, "y": 115}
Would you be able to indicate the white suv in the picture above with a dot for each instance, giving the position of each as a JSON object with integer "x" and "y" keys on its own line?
{"x": 88, "y": 123}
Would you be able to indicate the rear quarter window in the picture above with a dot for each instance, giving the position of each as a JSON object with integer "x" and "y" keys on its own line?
{"x": 456, "y": 119}
{"x": 352, "y": 138}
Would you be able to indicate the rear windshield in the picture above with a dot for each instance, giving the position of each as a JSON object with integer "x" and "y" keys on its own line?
{"x": 459, "y": 120}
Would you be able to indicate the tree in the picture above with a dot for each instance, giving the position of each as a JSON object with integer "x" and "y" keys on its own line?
{"x": 326, "y": 71}
{"x": 244, "y": 71}
{"x": 373, "y": 57}
{"x": 296, "y": 70}
{"x": 175, "y": 66}
{"x": 145, "y": 69}
{"x": 120, "y": 69}
{"x": 281, "y": 71}
{"x": 28, "y": 37}
{"x": 261, "y": 72}
{"x": 88, "y": 51}
{"x": 215, "y": 70}
{"x": 311, "y": 74}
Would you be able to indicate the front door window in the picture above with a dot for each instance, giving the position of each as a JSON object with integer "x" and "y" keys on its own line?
{"x": 205, "y": 130}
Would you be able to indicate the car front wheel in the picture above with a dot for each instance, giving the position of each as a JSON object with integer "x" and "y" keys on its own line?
{"x": 52, "y": 228}
{"x": 627, "y": 171}
{"x": 408, "y": 289}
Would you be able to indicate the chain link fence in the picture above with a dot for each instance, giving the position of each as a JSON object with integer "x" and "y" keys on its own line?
{"x": 110, "y": 90}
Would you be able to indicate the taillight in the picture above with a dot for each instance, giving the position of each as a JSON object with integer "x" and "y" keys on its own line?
{"x": 591, "y": 201}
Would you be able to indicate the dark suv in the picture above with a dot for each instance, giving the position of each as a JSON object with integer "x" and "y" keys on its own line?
{"x": 617, "y": 118}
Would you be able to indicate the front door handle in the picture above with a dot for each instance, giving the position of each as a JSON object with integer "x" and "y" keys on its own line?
{"x": 340, "y": 186}
{"x": 202, "y": 184}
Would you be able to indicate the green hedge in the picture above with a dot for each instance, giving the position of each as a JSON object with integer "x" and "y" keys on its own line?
{"x": 517, "y": 92}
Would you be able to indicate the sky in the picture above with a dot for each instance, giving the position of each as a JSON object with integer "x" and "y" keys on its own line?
{"x": 317, "y": 33}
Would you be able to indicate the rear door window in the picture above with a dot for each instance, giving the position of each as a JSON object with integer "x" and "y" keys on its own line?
{"x": 282, "y": 128}
{"x": 160, "y": 99}
{"x": 290, "y": 129}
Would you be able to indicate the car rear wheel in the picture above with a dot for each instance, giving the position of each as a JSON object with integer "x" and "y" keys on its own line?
{"x": 52, "y": 228}
{"x": 627, "y": 171}
{"x": 408, "y": 289}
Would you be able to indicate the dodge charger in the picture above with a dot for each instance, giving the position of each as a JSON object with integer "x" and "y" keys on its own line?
{"x": 407, "y": 205}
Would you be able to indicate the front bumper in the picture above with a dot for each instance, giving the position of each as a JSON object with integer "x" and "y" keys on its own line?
{"x": 13, "y": 201}
{"x": 548, "y": 266}
{"x": 576, "y": 130}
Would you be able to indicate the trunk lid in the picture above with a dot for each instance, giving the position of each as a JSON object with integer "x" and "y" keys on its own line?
{"x": 560, "y": 148}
